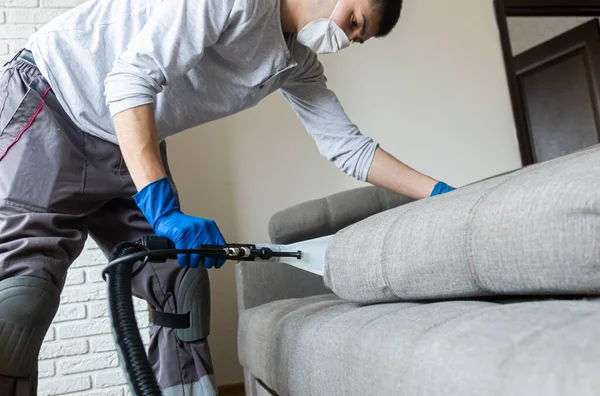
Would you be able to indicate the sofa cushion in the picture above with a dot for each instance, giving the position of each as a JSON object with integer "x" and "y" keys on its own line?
{"x": 530, "y": 232}
{"x": 326, "y": 346}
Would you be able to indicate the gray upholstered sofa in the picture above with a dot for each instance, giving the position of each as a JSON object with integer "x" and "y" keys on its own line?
{"x": 492, "y": 289}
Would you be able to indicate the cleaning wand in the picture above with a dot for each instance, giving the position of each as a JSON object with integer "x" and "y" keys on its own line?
{"x": 118, "y": 275}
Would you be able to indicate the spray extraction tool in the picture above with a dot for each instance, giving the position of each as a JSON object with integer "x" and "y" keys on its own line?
{"x": 307, "y": 255}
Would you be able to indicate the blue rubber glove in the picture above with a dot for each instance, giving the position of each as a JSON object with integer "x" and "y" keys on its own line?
{"x": 441, "y": 188}
{"x": 157, "y": 203}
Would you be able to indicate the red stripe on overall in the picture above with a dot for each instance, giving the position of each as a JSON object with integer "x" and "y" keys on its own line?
{"x": 26, "y": 127}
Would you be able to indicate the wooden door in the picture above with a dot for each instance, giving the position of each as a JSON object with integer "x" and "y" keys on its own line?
{"x": 559, "y": 82}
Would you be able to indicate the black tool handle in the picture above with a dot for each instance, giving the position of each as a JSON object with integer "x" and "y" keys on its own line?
{"x": 245, "y": 252}
{"x": 154, "y": 242}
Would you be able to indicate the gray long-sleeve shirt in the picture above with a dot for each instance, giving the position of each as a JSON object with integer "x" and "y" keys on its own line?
{"x": 196, "y": 61}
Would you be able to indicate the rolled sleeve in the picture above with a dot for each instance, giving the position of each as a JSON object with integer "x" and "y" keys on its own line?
{"x": 318, "y": 108}
{"x": 172, "y": 41}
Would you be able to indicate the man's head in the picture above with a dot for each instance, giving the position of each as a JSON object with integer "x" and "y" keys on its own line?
{"x": 360, "y": 20}
{"x": 363, "y": 19}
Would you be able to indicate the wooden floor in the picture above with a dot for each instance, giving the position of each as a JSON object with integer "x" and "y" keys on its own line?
{"x": 232, "y": 390}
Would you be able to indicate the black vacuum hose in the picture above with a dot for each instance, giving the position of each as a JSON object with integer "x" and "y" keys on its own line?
{"x": 125, "y": 330}
{"x": 118, "y": 275}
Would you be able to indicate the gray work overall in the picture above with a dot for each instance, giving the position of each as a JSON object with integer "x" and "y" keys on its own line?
{"x": 57, "y": 186}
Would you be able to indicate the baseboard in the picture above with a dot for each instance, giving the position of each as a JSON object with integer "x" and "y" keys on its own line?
{"x": 231, "y": 389}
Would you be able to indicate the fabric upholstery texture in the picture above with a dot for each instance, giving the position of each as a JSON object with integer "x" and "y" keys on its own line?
{"x": 259, "y": 283}
{"x": 328, "y": 215}
{"x": 326, "y": 346}
{"x": 535, "y": 231}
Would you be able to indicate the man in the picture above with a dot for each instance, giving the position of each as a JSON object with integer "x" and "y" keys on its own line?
{"x": 84, "y": 114}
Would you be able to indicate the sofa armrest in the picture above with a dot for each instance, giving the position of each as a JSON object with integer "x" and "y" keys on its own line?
{"x": 259, "y": 283}
{"x": 326, "y": 216}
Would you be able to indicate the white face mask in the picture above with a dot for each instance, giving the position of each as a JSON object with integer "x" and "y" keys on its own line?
{"x": 323, "y": 35}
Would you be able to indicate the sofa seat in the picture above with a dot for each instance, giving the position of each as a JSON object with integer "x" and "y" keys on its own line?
{"x": 325, "y": 346}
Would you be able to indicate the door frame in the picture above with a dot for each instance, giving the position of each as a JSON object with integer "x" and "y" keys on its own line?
{"x": 514, "y": 8}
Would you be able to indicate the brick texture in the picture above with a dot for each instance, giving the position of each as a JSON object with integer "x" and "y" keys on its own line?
{"x": 83, "y": 329}
{"x": 88, "y": 364}
{"x": 60, "y": 3}
{"x": 118, "y": 391}
{"x": 109, "y": 378}
{"x": 19, "y": 3}
{"x": 78, "y": 356}
{"x": 83, "y": 293}
{"x": 75, "y": 277}
{"x": 55, "y": 350}
{"x": 32, "y": 16}
{"x": 61, "y": 386}
{"x": 16, "y": 31}
{"x": 46, "y": 369}
{"x": 67, "y": 313}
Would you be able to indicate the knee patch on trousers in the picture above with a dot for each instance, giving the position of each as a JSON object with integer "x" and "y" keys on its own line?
{"x": 192, "y": 319}
{"x": 27, "y": 307}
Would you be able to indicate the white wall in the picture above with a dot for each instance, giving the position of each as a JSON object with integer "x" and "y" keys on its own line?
{"x": 527, "y": 32}
{"x": 433, "y": 93}
{"x": 20, "y": 18}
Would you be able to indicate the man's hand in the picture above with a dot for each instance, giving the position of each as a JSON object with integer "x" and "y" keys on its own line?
{"x": 136, "y": 132}
{"x": 157, "y": 202}
{"x": 441, "y": 188}
{"x": 389, "y": 173}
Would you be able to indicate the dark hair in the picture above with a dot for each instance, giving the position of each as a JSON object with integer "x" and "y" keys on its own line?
{"x": 390, "y": 13}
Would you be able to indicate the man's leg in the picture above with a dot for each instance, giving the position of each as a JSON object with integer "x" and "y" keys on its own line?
{"x": 42, "y": 228}
{"x": 180, "y": 358}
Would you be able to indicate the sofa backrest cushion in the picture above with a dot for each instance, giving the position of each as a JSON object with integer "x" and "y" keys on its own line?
{"x": 535, "y": 231}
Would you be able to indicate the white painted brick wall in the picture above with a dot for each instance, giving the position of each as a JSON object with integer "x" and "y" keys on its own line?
{"x": 20, "y": 18}
{"x": 78, "y": 356}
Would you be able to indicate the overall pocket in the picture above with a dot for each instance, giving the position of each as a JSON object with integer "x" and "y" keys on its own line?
{"x": 31, "y": 171}
{"x": 18, "y": 112}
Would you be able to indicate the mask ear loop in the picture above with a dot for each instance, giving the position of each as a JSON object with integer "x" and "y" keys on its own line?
{"x": 337, "y": 4}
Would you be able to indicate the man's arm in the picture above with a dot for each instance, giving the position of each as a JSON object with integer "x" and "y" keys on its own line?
{"x": 168, "y": 46}
{"x": 172, "y": 41}
{"x": 136, "y": 132}
{"x": 340, "y": 141}
{"x": 388, "y": 172}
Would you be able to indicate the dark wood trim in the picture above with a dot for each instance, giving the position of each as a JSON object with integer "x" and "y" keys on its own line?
{"x": 583, "y": 42}
{"x": 551, "y": 3}
{"x": 232, "y": 389}
{"x": 511, "y": 8}
{"x": 518, "y": 107}
{"x": 552, "y": 7}
{"x": 581, "y": 35}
